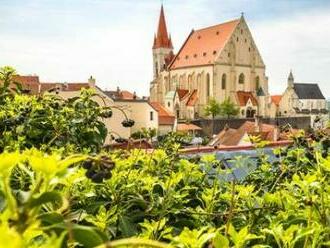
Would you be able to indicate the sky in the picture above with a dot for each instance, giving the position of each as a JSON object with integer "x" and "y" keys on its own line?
{"x": 70, "y": 40}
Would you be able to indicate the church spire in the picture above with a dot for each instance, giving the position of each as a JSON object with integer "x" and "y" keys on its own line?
{"x": 162, "y": 40}
{"x": 290, "y": 79}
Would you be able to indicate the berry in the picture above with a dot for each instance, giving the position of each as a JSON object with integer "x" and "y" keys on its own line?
{"x": 87, "y": 164}
{"x": 98, "y": 177}
{"x": 107, "y": 175}
{"x": 106, "y": 113}
{"x": 90, "y": 173}
{"x": 128, "y": 123}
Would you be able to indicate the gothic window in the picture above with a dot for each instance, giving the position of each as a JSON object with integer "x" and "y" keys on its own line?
{"x": 241, "y": 78}
{"x": 223, "y": 81}
{"x": 151, "y": 115}
{"x": 208, "y": 85}
{"x": 257, "y": 82}
{"x": 190, "y": 86}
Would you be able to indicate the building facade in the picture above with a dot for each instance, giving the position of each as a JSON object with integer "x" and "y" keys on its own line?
{"x": 304, "y": 99}
{"x": 219, "y": 62}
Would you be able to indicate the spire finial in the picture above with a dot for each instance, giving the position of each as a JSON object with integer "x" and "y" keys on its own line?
{"x": 242, "y": 14}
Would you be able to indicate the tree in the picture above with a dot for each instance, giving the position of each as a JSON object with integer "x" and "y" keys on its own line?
{"x": 212, "y": 109}
{"x": 228, "y": 108}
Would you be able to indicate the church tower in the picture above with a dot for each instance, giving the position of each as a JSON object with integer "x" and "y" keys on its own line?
{"x": 290, "y": 80}
{"x": 162, "y": 48}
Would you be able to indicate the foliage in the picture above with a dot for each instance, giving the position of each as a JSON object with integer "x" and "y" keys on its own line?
{"x": 145, "y": 133}
{"x": 228, "y": 109}
{"x": 213, "y": 108}
{"x": 169, "y": 199}
{"x": 50, "y": 196}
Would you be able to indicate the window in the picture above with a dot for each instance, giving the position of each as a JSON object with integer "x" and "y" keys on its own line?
{"x": 223, "y": 81}
{"x": 208, "y": 86}
{"x": 168, "y": 104}
{"x": 214, "y": 52}
{"x": 151, "y": 115}
{"x": 257, "y": 82}
{"x": 204, "y": 54}
{"x": 237, "y": 39}
{"x": 241, "y": 79}
{"x": 228, "y": 55}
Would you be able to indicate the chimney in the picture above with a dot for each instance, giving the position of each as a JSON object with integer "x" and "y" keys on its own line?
{"x": 91, "y": 81}
{"x": 118, "y": 89}
{"x": 134, "y": 95}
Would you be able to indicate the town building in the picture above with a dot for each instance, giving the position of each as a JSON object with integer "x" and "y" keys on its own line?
{"x": 304, "y": 99}
{"x": 220, "y": 61}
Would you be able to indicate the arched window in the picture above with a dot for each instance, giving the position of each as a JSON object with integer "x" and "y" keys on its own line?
{"x": 257, "y": 82}
{"x": 190, "y": 86}
{"x": 223, "y": 81}
{"x": 241, "y": 78}
{"x": 156, "y": 69}
{"x": 208, "y": 85}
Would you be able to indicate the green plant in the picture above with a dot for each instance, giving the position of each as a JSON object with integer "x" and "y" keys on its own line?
{"x": 228, "y": 109}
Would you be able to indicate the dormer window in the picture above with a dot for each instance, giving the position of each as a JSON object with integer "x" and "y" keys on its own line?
{"x": 214, "y": 52}
{"x": 217, "y": 33}
{"x": 187, "y": 57}
{"x": 198, "y": 37}
{"x": 195, "y": 55}
{"x": 204, "y": 54}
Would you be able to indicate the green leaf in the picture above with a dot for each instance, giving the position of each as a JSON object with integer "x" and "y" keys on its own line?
{"x": 51, "y": 218}
{"x": 126, "y": 226}
{"x": 220, "y": 241}
{"x": 87, "y": 236}
{"x": 47, "y": 197}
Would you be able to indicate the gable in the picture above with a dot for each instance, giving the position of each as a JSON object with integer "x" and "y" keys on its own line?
{"x": 241, "y": 48}
{"x": 203, "y": 46}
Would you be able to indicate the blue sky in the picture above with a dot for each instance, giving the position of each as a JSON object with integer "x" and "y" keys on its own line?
{"x": 69, "y": 40}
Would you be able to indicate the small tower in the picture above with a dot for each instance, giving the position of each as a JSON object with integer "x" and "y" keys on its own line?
{"x": 290, "y": 80}
{"x": 162, "y": 48}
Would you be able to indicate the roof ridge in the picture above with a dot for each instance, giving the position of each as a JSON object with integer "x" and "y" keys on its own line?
{"x": 212, "y": 26}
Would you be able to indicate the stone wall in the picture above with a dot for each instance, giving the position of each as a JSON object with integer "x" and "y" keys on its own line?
{"x": 219, "y": 124}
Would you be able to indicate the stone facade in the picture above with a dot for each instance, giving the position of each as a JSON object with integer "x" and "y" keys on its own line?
{"x": 216, "y": 62}
{"x": 301, "y": 99}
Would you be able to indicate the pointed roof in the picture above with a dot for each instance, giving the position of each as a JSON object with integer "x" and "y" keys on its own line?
{"x": 244, "y": 96}
{"x": 291, "y": 78}
{"x": 162, "y": 39}
{"x": 203, "y": 46}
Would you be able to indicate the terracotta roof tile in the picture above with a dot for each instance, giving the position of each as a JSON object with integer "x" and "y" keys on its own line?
{"x": 164, "y": 116}
{"x": 276, "y": 99}
{"x": 243, "y": 97}
{"x": 162, "y": 39}
{"x": 46, "y": 86}
{"x": 182, "y": 93}
{"x": 187, "y": 127}
{"x": 30, "y": 83}
{"x": 203, "y": 46}
{"x": 192, "y": 98}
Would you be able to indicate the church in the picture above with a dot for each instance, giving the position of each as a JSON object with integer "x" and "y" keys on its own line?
{"x": 220, "y": 62}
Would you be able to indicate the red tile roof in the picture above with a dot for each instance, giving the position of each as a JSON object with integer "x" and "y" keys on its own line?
{"x": 162, "y": 39}
{"x": 243, "y": 97}
{"x": 231, "y": 137}
{"x": 203, "y": 46}
{"x": 164, "y": 116}
{"x": 192, "y": 98}
{"x": 183, "y": 127}
{"x": 30, "y": 83}
{"x": 182, "y": 93}
{"x": 276, "y": 99}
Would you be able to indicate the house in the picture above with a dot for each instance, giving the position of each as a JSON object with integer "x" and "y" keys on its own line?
{"x": 241, "y": 136}
{"x": 166, "y": 120}
{"x": 304, "y": 99}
